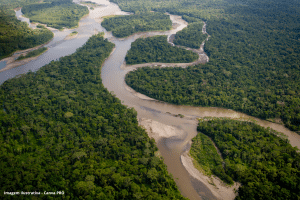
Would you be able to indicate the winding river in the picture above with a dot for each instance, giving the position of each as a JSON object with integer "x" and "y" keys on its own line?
{"x": 113, "y": 74}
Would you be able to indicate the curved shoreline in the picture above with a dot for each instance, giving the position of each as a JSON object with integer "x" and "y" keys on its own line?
{"x": 11, "y": 61}
{"x": 203, "y": 58}
{"x": 216, "y": 186}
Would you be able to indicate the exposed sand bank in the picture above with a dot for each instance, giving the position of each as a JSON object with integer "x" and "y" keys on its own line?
{"x": 201, "y": 60}
{"x": 158, "y": 130}
{"x": 139, "y": 95}
{"x": 71, "y": 36}
{"x": 220, "y": 190}
{"x": 11, "y": 61}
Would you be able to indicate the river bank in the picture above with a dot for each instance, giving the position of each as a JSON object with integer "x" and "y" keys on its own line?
{"x": 11, "y": 61}
{"x": 71, "y": 36}
{"x": 220, "y": 190}
{"x": 216, "y": 186}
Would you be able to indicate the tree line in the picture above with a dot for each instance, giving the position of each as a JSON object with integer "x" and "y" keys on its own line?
{"x": 123, "y": 26}
{"x": 56, "y": 14}
{"x": 33, "y": 53}
{"x": 206, "y": 155}
{"x": 191, "y": 36}
{"x": 157, "y": 49}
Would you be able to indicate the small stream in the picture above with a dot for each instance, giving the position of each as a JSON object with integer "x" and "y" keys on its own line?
{"x": 20, "y": 17}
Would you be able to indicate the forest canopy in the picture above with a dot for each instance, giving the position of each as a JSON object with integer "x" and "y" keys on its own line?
{"x": 254, "y": 63}
{"x": 261, "y": 159}
{"x": 56, "y": 14}
{"x": 191, "y": 36}
{"x": 16, "y": 35}
{"x": 61, "y": 130}
{"x": 206, "y": 156}
{"x": 157, "y": 49}
{"x": 123, "y": 26}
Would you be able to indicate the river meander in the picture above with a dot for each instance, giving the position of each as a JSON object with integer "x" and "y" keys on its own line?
{"x": 113, "y": 74}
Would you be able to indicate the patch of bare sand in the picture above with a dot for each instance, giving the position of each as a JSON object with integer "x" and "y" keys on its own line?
{"x": 71, "y": 36}
{"x": 157, "y": 130}
{"x": 219, "y": 189}
{"x": 139, "y": 95}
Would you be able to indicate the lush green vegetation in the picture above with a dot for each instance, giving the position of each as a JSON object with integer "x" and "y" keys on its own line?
{"x": 206, "y": 155}
{"x": 40, "y": 26}
{"x": 16, "y": 35}
{"x": 191, "y": 36}
{"x": 122, "y": 26}
{"x": 89, "y": 3}
{"x": 73, "y": 33}
{"x": 157, "y": 49}
{"x": 254, "y": 62}
{"x": 56, "y": 14}
{"x": 12, "y": 4}
{"x": 260, "y": 158}
{"x": 33, "y": 53}
{"x": 61, "y": 130}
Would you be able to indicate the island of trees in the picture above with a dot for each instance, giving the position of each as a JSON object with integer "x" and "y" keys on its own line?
{"x": 191, "y": 36}
{"x": 123, "y": 26}
{"x": 157, "y": 49}
{"x": 259, "y": 158}
{"x": 61, "y": 130}
{"x": 55, "y": 13}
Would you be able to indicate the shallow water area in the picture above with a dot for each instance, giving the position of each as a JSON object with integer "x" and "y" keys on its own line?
{"x": 2, "y": 64}
{"x": 59, "y": 47}
{"x": 20, "y": 17}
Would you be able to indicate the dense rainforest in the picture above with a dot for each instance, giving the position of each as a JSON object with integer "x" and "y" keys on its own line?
{"x": 12, "y": 4}
{"x": 123, "y": 26}
{"x": 157, "y": 49}
{"x": 207, "y": 158}
{"x": 261, "y": 159}
{"x": 254, "y": 64}
{"x": 191, "y": 36}
{"x": 16, "y": 35}
{"x": 61, "y": 130}
{"x": 56, "y": 14}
